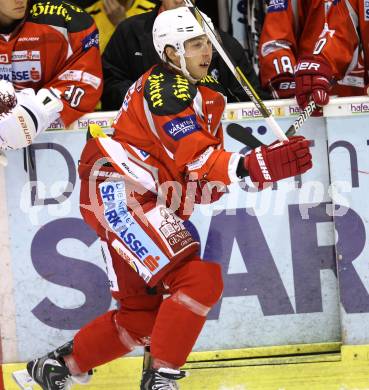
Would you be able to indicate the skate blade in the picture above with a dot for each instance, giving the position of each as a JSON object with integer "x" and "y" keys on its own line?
{"x": 23, "y": 379}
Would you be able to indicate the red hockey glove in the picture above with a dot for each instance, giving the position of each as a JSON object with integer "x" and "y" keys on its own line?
{"x": 279, "y": 160}
{"x": 313, "y": 81}
{"x": 283, "y": 86}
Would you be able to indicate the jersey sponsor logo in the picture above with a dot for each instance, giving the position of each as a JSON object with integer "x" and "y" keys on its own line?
{"x": 26, "y": 71}
{"x": 23, "y": 55}
{"x": 366, "y": 10}
{"x": 111, "y": 175}
{"x": 6, "y": 72}
{"x": 277, "y": 5}
{"x": 21, "y": 72}
{"x": 139, "y": 84}
{"x": 127, "y": 98}
{"x": 353, "y": 81}
{"x": 4, "y": 59}
{"x": 155, "y": 89}
{"x": 209, "y": 80}
{"x": 181, "y": 88}
{"x": 141, "y": 153}
{"x": 212, "y": 82}
{"x": 131, "y": 260}
{"x": 71, "y": 75}
{"x": 120, "y": 112}
{"x": 92, "y": 80}
{"x": 176, "y": 237}
{"x": 42, "y": 8}
{"x": 92, "y": 40}
{"x": 144, "y": 154}
{"x": 129, "y": 170}
{"x": 28, "y": 39}
{"x": 121, "y": 221}
{"x": 201, "y": 160}
{"x": 181, "y": 127}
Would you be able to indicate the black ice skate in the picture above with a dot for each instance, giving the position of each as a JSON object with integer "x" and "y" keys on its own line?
{"x": 51, "y": 373}
{"x": 161, "y": 379}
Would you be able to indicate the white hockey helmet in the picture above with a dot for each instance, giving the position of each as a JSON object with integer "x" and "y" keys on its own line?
{"x": 173, "y": 28}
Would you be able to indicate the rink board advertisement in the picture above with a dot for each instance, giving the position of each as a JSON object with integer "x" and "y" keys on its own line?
{"x": 349, "y": 161}
{"x": 276, "y": 247}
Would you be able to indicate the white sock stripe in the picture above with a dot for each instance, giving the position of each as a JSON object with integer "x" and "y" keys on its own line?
{"x": 190, "y": 303}
{"x": 125, "y": 338}
{"x": 72, "y": 365}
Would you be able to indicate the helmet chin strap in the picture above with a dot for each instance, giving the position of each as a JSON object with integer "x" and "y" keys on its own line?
{"x": 183, "y": 69}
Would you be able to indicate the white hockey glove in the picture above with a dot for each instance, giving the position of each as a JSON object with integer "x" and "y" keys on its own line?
{"x": 24, "y": 114}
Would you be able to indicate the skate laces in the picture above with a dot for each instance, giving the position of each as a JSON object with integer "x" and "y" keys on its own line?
{"x": 51, "y": 372}
{"x": 165, "y": 379}
{"x": 65, "y": 383}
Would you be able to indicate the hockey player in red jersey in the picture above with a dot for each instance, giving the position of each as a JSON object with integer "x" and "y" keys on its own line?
{"x": 50, "y": 67}
{"x": 290, "y": 30}
{"x": 334, "y": 53}
{"x": 137, "y": 190}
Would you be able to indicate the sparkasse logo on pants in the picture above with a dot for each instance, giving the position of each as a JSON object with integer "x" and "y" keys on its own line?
{"x": 277, "y": 5}
{"x": 366, "y": 10}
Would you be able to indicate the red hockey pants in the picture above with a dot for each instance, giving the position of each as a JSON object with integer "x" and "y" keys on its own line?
{"x": 173, "y": 323}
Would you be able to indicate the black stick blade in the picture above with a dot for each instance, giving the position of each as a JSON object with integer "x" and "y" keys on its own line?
{"x": 240, "y": 134}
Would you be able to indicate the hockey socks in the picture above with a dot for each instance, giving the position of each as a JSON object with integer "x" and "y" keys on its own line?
{"x": 182, "y": 316}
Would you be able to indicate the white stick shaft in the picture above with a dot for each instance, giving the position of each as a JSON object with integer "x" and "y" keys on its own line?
{"x": 239, "y": 76}
{"x": 278, "y": 132}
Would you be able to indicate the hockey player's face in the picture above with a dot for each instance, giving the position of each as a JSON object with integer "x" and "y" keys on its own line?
{"x": 12, "y": 10}
{"x": 198, "y": 53}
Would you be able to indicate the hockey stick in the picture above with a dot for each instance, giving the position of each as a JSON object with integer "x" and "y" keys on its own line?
{"x": 245, "y": 84}
{"x": 238, "y": 133}
{"x": 248, "y": 88}
{"x": 147, "y": 359}
{"x": 305, "y": 114}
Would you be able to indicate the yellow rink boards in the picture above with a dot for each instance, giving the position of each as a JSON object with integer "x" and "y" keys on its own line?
{"x": 325, "y": 366}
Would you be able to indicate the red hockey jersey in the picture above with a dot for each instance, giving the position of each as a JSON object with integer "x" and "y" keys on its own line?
{"x": 178, "y": 124}
{"x": 348, "y": 32}
{"x": 57, "y": 45}
{"x": 291, "y": 30}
